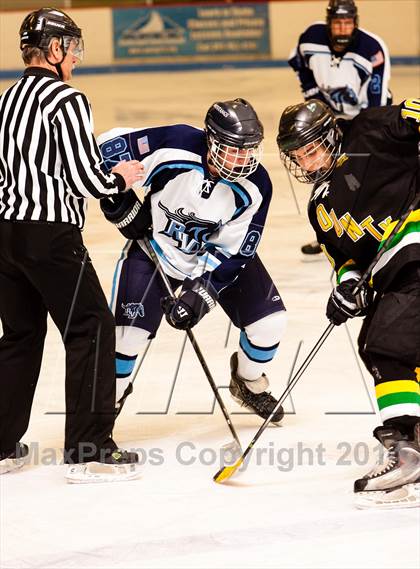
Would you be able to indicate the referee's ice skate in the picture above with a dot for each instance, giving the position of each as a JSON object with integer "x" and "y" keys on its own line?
{"x": 251, "y": 394}
{"x": 395, "y": 481}
{"x": 116, "y": 466}
{"x": 14, "y": 459}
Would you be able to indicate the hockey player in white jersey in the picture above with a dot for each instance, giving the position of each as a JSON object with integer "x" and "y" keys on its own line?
{"x": 206, "y": 200}
{"x": 344, "y": 66}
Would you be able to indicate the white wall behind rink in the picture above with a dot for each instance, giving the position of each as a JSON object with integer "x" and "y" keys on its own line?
{"x": 396, "y": 22}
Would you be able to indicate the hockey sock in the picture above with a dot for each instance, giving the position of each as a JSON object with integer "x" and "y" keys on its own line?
{"x": 258, "y": 345}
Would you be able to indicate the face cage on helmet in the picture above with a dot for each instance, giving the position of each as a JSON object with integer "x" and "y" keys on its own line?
{"x": 329, "y": 144}
{"x": 225, "y": 159}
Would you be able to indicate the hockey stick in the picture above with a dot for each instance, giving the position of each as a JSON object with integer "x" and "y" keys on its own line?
{"x": 228, "y": 471}
{"x": 235, "y": 446}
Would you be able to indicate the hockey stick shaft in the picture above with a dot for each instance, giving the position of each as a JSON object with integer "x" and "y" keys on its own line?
{"x": 228, "y": 471}
{"x": 193, "y": 341}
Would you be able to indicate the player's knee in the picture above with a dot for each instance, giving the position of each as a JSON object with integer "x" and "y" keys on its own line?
{"x": 28, "y": 334}
{"x": 388, "y": 368}
{"x": 130, "y": 340}
{"x": 268, "y": 330}
{"x": 403, "y": 311}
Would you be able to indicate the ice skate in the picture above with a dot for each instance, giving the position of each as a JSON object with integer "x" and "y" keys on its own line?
{"x": 118, "y": 466}
{"x": 251, "y": 394}
{"x": 395, "y": 481}
{"x": 13, "y": 460}
{"x": 312, "y": 248}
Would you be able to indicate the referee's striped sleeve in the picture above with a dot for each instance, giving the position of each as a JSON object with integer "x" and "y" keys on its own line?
{"x": 81, "y": 159}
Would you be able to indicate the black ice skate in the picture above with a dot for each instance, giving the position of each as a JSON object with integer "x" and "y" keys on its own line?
{"x": 312, "y": 248}
{"x": 261, "y": 403}
{"x": 14, "y": 459}
{"x": 395, "y": 481}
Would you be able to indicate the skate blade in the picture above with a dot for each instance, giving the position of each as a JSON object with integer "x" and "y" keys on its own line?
{"x": 407, "y": 496}
{"x": 316, "y": 258}
{"x": 98, "y": 472}
{"x": 11, "y": 464}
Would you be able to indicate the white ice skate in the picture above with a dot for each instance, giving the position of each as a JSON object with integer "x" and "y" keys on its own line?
{"x": 120, "y": 466}
{"x": 395, "y": 481}
{"x": 14, "y": 460}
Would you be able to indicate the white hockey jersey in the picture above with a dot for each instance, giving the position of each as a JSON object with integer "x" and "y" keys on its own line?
{"x": 348, "y": 81}
{"x": 200, "y": 224}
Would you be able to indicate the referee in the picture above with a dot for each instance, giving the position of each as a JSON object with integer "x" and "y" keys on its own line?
{"x": 49, "y": 166}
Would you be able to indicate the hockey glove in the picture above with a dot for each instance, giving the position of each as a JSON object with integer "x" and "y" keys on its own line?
{"x": 343, "y": 304}
{"x": 196, "y": 299}
{"x": 127, "y": 213}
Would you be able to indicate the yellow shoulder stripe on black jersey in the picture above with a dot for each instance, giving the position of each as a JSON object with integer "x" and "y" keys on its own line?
{"x": 411, "y": 109}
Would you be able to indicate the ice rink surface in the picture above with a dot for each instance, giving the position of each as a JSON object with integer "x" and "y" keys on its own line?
{"x": 292, "y": 506}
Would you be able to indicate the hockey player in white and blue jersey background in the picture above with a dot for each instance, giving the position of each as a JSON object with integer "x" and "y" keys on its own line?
{"x": 206, "y": 202}
{"x": 344, "y": 66}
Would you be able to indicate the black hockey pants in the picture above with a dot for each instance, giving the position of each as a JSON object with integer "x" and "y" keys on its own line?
{"x": 44, "y": 268}
{"x": 389, "y": 344}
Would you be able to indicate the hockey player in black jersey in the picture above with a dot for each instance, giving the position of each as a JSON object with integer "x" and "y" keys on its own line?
{"x": 364, "y": 181}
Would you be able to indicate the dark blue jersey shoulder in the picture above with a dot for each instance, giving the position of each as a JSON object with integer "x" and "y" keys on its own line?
{"x": 262, "y": 180}
{"x": 316, "y": 33}
{"x": 365, "y": 44}
{"x": 139, "y": 144}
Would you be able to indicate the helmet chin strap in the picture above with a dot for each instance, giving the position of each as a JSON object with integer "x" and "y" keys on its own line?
{"x": 58, "y": 65}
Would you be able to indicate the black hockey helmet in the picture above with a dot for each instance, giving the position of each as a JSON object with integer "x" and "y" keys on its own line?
{"x": 313, "y": 126}
{"x": 234, "y": 134}
{"x": 344, "y": 9}
{"x": 40, "y": 26}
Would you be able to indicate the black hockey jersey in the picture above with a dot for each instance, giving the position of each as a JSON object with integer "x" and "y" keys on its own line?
{"x": 375, "y": 180}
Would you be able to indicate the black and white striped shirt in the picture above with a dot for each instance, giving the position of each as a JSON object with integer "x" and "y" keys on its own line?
{"x": 49, "y": 159}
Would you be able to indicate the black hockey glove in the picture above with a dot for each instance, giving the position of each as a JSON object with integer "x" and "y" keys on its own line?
{"x": 128, "y": 214}
{"x": 196, "y": 299}
{"x": 343, "y": 304}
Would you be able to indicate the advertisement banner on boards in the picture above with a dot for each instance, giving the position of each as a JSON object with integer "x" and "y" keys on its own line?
{"x": 192, "y": 32}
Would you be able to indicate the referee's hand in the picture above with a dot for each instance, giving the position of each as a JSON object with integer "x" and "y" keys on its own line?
{"x": 130, "y": 170}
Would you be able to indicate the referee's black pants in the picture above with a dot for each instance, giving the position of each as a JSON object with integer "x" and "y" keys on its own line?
{"x": 44, "y": 268}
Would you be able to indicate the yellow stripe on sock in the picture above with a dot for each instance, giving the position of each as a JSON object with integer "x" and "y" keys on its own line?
{"x": 418, "y": 373}
{"x": 398, "y": 386}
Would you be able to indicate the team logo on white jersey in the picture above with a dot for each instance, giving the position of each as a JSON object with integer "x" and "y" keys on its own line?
{"x": 133, "y": 310}
{"x": 189, "y": 231}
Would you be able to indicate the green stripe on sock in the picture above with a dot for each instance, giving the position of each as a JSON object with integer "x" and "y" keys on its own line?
{"x": 398, "y": 398}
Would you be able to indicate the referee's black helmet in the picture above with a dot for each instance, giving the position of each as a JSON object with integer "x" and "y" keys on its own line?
{"x": 40, "y": 26}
